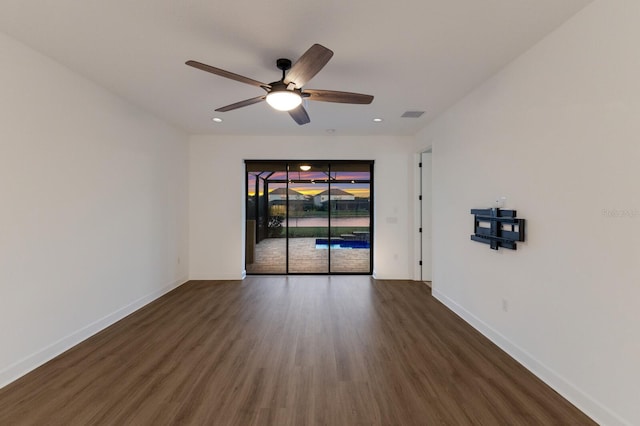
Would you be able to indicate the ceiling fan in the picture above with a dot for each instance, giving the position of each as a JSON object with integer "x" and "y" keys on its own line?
{"x": 287, "y": 94}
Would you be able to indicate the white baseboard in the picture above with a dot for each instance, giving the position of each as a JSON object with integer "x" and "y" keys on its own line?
{"x": 217, "y": 277}
{"x": 389, "y": 278}
{"x": 35, "y": 360}
{"x": 599, "y": 413}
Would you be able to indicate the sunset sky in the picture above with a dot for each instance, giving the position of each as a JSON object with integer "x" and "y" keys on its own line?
{"x": 361, "y": 190}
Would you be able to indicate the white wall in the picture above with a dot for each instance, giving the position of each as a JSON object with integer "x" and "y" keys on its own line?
{"x": 558, "y": 133}
{"x": 218, "y": 186}
{"x": 94, "y": 208}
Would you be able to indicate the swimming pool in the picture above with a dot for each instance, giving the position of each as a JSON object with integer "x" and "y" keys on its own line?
{"x": 323, "y": 244}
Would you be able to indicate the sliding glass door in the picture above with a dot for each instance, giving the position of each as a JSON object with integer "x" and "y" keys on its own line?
{"x": 306, "y": 223}
{"x": 266, "y": 202}
{"x": 309, "y": 217}
{"x": 349, "y": 202}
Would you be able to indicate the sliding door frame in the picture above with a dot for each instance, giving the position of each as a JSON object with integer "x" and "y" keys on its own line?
{"x": 329, "y": 164}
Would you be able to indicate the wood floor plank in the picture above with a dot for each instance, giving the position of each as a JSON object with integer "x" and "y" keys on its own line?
{"x": 287, "y": 351}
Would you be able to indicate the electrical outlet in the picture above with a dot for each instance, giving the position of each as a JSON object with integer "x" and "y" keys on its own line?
{"x": 505, "y": 305}
{"x": 178, "y": 261}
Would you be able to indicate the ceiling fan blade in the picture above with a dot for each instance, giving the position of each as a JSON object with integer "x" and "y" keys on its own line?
{"x": 340, "y": 97}
{"x": 299, "y": 114}
{"x": 312, "y": 61}
{"x": 227, "y": 74}
{"x": 241, "y": 104}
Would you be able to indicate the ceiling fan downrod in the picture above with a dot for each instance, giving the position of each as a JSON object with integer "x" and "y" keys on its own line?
{"x": 284, "y": 65}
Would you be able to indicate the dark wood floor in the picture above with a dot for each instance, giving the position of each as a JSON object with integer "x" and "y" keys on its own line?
{"x": 287, "y": 351}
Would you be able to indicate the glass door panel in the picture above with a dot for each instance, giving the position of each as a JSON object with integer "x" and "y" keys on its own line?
{"x": 308, "y": 221}
{"x": 266, "y": 243}
{"x": 350, "y": 214}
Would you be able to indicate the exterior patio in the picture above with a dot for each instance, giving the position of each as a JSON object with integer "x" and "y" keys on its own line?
{"x": 305, "y": 258}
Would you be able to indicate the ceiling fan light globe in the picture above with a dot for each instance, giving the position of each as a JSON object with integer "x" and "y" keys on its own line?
{"x": 284, "y": 100}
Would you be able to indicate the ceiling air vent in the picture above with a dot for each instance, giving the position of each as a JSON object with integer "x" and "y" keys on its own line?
{"x": 412, "y": 114}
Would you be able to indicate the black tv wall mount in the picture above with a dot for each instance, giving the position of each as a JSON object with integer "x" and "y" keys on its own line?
{"x": 497, "y": 227}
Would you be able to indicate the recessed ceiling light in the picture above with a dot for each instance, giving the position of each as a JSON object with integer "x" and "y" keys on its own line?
{"x": 378, "y": 120}
{"x": 217, "y": 119}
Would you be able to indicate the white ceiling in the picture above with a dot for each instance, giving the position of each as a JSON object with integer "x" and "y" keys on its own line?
{"x": 409, "y": 54}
